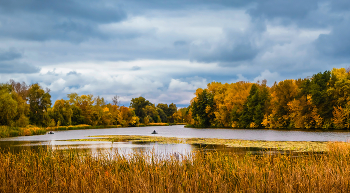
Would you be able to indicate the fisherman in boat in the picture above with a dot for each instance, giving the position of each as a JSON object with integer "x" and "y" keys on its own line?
{"x": 154, "y": 132}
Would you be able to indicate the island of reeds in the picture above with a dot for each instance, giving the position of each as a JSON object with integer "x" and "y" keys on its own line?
{"x": 317, "y": 102}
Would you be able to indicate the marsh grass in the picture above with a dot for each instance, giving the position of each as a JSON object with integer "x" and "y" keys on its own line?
{"x": 71, "y": 171}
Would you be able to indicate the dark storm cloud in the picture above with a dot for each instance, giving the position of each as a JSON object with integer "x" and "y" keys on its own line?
{"x": 15, "y": 67}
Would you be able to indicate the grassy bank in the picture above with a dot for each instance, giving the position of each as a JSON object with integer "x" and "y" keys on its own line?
{"x": 302, "y": 146}
{"x": 68, "y": 171}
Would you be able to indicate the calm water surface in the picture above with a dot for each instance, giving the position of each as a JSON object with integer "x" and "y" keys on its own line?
{"x": 55, "y": 140}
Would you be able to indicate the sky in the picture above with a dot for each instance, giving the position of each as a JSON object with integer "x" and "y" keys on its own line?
{"x": 165, "y": 50}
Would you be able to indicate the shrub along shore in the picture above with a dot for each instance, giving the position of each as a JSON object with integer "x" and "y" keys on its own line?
{"x": 73, "y": 171}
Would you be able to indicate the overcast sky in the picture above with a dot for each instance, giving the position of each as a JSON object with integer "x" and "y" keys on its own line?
{"x": 165, "y": 50}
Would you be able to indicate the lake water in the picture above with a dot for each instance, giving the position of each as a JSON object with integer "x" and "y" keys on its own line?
{"x": 56, "y": 141}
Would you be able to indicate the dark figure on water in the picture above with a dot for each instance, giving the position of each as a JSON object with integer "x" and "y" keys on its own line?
{"x": 154, "y": 132}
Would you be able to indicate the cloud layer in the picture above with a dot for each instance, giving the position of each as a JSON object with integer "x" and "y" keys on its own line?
{"x": 164, "y": 50}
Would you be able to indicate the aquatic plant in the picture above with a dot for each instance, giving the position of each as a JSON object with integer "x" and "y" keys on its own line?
{"x": 301, "y": 146}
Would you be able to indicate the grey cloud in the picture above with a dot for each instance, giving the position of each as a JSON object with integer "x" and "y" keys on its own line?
{"x": 226, "y": 53}
{"x": 186, "y": 4}
{"x": 180, "y": 43}
{"x": 296, "y": 9}
{"x": 335, "y": 45}
{"x": 14, "y": 67}
{"x": 10, "y": 54}
{"x": 134, "y": 68}
{"x": 98, "y": 11}
{"x": 306, "y": 14}
{"x": 72, "y": 73}
{"x": 47, "y": 29}
{"x": 73, "y": 21}
{"x": 340, "y": 5}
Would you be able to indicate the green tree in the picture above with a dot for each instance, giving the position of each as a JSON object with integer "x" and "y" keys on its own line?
{"x": 202, "y": 109}
{"x": 8, "y": 106}
{"x": 162, "y": 115}
{"x": 152, "y": 114}
{"x": 138, "y": 104}
{"x": 254, "y": 108}
{"x": 77, "y": 117}
{"x": 317, "y": 87}
{"x": 62, "y": 112}
{"x": 39, "y": 101}
{"x": 172, "y": 109}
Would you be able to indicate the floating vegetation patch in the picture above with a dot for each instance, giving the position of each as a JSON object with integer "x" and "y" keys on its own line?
{"x": 299, "y": 146}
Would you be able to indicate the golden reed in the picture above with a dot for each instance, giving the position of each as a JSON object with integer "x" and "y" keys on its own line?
{"x": 73, "y": 171}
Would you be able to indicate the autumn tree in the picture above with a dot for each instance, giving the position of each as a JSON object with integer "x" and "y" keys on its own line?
{"x": 282, "y": 93}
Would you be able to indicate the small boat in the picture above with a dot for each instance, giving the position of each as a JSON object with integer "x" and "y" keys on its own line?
{"x": 154, "y": 132}
{"x": 50, "y": 132}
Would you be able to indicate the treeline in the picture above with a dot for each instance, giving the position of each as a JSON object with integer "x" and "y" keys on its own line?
{"x": 22, "y": 105}
{"x": 320, "y": 102}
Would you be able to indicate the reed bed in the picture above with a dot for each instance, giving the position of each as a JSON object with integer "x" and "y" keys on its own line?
{"x": 71, "y": 171}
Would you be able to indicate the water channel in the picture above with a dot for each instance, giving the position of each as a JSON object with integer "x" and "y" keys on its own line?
{"x": 58, "y": 139}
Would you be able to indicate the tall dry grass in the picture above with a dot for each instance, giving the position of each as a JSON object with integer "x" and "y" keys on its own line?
{"x": 71, "y": 171}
